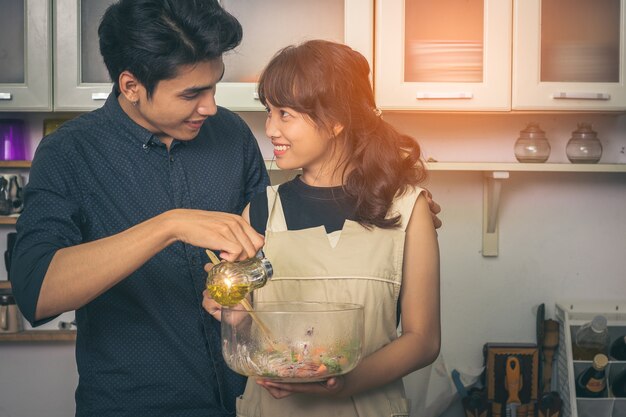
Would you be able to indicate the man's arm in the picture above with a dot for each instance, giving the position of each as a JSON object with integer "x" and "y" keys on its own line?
{"x": 109, "y": 260}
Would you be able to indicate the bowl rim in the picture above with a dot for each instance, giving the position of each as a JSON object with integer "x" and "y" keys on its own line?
{"x": 324, "y": 307}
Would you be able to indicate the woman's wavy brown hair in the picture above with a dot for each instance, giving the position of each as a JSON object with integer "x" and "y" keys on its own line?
{"x": 329, "y": 82}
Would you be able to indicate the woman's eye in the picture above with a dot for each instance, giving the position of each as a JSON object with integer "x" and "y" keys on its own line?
{"x": 284, "y": 114}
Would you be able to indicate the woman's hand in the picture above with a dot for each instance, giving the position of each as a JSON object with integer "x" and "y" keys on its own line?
{"x": 215, "y": 309}
{"x": 330, "y": 387}
{"x": 211, "y": 306}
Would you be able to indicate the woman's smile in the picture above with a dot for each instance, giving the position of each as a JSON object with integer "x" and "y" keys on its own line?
{"x": 280, "y": 149}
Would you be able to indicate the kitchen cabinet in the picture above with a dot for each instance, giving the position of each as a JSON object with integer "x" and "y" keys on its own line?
{"x": 29, "y": 35}
{"x": 81, "y": 81}
{"x": 25, "y": 56}
{"x": 443, "y": 55}
{"x": 469, "y": 56}
{"x": 569, "y": 55}
{"x": 269, "y": 26}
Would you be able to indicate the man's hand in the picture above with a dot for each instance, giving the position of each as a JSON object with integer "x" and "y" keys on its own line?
{"x": 227, "y": 233}
{"x": 434, "y": 209}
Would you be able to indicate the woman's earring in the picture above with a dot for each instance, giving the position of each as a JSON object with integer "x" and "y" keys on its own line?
{"x": 135, "y": 103}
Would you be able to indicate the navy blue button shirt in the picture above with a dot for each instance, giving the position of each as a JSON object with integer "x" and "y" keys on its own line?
{"x": 146, "y": 347}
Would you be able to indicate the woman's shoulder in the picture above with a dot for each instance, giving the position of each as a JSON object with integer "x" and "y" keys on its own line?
{"x": 404, "y": 202}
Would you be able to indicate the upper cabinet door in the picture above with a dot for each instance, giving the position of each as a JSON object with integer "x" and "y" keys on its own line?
{"x": 81, "y": 81}
{"x": 569, "y": 55}
{"x": 25, "y": 56}
{"x": 269, "y": 26}
{"x": 443, "y": 55}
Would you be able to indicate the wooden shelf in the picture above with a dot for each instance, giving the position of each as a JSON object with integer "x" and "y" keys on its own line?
{"x": 510, "y": 166}
{"x": 35, "y": 336}
{"x": 525, "y": 167}
{"x": 8, "y": 220}
{"x": 28, "y": 336}
{"x": 15, "y": 164}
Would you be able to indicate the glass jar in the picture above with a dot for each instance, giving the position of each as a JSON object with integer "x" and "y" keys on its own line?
{"x": 230, "y": 282}
{"x": 532, "y": 145}
{"x": 584, "y": 147}
{"x": 591, "y": 339}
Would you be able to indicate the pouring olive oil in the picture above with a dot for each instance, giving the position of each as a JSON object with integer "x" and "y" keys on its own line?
{"x": 230, "y": 282}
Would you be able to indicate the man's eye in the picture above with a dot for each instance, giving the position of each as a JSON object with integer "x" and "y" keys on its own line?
{"x": 190, "y": 96}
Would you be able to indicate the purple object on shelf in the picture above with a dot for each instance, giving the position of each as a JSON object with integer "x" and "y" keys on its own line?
{"x": 12, "y": 140}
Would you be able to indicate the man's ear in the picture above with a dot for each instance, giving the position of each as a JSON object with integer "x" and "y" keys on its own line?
{"x": 129, "y": 86}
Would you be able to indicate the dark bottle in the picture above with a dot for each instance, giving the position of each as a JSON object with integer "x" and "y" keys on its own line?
{"x": 618, "y": 349}
{"x": 618, "y": 385}
{"x": 592, "y": 382}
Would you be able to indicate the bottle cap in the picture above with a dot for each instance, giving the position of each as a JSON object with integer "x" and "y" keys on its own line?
{"x": 598, "y": 324}
{"x": 267, "y": 265}
{"x": 600, "y": 361}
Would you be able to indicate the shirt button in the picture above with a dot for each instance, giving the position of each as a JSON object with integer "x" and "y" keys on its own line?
{"x": 171, "y": 159}
{"x": 145, "y": 146}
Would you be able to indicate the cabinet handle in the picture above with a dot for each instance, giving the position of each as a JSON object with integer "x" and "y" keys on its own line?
{"x": 99, "y": 96}
{"x": 438, "y": 96}
{"x": 581, "y": 96}
{"x": 5, "y": 96}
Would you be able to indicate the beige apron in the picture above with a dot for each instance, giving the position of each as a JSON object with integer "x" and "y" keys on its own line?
{"x": 353, "y": 265}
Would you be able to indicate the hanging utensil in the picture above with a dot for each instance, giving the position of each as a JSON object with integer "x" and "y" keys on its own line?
{"x": 513, "y": 384}
{"x": 550, "y": 343}
{"x": 541, "y": 312}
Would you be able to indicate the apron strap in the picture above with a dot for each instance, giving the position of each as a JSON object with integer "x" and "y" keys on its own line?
{"x": 276, "y": 217}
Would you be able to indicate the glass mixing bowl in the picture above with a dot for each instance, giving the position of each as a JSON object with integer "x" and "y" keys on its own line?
{"x": 293, "y": 341}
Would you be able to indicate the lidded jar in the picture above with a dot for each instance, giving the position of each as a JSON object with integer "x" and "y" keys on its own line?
{"x": 584, "y": 145}
{"x": 532, "y": 145}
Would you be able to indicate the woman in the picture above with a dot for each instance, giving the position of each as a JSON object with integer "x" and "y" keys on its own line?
{"x": 354, "y": 227}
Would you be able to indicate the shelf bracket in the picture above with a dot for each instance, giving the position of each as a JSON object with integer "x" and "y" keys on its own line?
{"x": 492, "y": 185}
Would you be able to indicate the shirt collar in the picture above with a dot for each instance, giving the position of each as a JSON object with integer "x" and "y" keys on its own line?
{"x": 114, "y": 111}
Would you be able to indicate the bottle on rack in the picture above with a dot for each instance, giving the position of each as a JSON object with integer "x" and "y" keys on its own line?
{"x": 592, "y": 338}
{"x": 592, "y": 382}
{"x": 618, "y": 385}
{"x": 618, "y": 349}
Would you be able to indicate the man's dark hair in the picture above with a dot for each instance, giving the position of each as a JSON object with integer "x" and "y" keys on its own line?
{"x": 153, "y": 38}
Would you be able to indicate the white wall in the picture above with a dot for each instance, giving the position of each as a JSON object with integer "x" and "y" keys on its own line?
{"x": 562, "y": 236}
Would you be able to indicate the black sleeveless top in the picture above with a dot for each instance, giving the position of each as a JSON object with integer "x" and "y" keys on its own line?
{"x": 305, "y": 206}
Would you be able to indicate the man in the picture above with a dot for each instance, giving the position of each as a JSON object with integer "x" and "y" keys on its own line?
{"x": 121, "y": 204}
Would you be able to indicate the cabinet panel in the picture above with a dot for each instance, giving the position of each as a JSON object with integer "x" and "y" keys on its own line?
{"x": 25, "y": 56}
{"x": 80, "y": 78}
{"x": 569, "y": 55}
{"x": 271, "y": 25}
{"x": 445, "y": 55}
